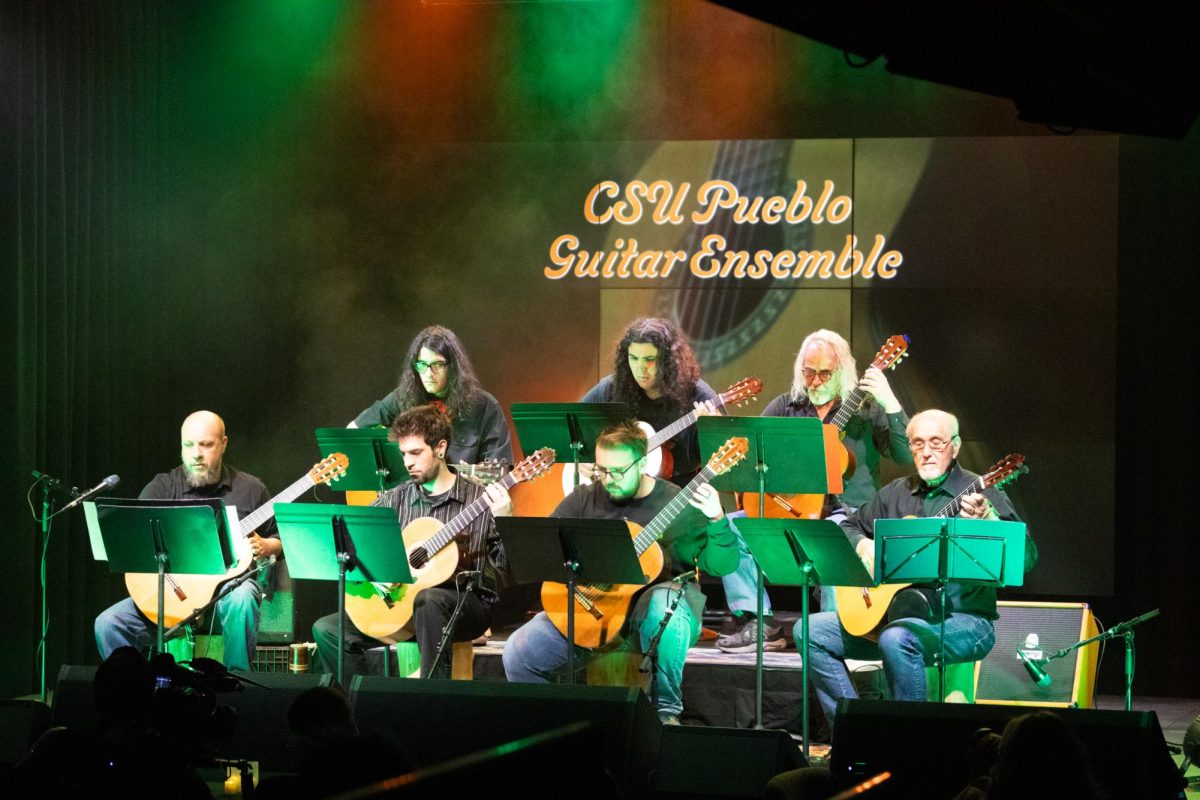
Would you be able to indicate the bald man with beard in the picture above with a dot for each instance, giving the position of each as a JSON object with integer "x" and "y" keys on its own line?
{"x": 203, "y": 474}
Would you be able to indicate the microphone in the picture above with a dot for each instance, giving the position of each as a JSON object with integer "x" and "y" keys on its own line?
{"x": 107, "y": 483}
{"x": 1036, "y": 672}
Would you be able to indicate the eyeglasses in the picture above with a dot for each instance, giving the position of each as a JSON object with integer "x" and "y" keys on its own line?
{"x": 936, "y": 445}
{"x": 436, "y": 367}
{"x": 616, "y": 473}
{"x": 823, "y": 374}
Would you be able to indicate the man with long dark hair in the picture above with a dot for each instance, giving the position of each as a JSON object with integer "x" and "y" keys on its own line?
{"x": 655, "y": 373}
{"x": 438, "y": 370}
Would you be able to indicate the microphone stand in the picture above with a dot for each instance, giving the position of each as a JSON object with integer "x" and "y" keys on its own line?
{"x": 49, "y": 485}
{"x": 448, "y": 629}
{"x": 650, "y": 661}
{"x": 1124, "y": 629}
{"x": 225, "y": 589}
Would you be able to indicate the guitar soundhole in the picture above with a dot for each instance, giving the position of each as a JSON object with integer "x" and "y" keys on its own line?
{"x": 418, "y": 558}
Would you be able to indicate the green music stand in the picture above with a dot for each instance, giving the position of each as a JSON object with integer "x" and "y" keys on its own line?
{"x": 787, "y": 455}
{"x": 939, "y": 550}
{"x": 584, "y": 550}
{"x": 375, "y": 463}
{"x": 795, "y": 552}
{"x": 186, "y": 537}
{"x": 336, "y": 543}
{"x": 565, "y": 427}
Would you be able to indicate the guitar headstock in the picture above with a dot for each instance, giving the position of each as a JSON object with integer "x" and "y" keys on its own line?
{"x": 487, "y": 471}
{"x": 1005, "y": 471}
{"x": 533, "y": 465}
{"x": 728, "y": 456}
{"x": 892, "y": 353}
{"x": 330, "y": 468}
{"x": 741, "y": 392}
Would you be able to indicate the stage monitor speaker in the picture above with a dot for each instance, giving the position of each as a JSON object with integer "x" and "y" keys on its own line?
{"x": 71, "y": 705}
{"x": 261, "y": 733}
{"x": 437, "y": 720}
{"x": 21, "y": 723}
{"x": 722, "y": 762}
{"x": 1039, "y": 629}
{"x": 925, "y": 746}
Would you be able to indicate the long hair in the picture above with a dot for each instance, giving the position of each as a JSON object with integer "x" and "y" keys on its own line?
{"x": 847, "y": 371}
{"x": 678, "y": 370}
{"x": 462, "y": 387}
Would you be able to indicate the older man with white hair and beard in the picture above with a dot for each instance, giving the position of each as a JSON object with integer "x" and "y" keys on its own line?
{"x": 824, "y": 375}
{"x": 908, "y": 644}
{"x": 202, "y": 475}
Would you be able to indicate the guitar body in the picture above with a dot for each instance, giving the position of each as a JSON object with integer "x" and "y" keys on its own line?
{"x": 365, "y": 605}
{"x": 863, "y": 610}
{"x": 784, "y": 506}
{"x": 196, "y": 589}
{"x": 598, "y": 622}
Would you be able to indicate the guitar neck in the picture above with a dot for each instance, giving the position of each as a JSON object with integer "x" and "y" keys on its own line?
{"x": 952, "y": 508}
{"x": 657, "y": 526}
{"x": 848, "y": 408}
{"x": 683, "y": 423}
{"x": 462, "y": 519}
{"x": 250, "y": 523}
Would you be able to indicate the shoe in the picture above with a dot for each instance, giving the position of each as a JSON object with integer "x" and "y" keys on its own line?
{"x": 668, "y": 719}
{"x": 744, "y": 639}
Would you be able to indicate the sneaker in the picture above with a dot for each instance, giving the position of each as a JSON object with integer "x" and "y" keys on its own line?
{"x": 666, "y": 718}
{"x": 744, "y": 639}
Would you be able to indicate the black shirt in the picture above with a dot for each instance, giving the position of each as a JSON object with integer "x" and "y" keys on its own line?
{"x": 912, "y": 497}
{"x": 479, "y": 434}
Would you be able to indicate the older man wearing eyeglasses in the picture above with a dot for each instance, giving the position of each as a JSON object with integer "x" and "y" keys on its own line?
{"x": 906, "y": 645}
{"x": 700, "y": 537}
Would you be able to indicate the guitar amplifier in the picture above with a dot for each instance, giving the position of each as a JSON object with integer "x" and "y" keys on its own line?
{"x": 1038, "y": 630}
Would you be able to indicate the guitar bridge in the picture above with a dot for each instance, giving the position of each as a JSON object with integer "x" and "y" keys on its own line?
{"x": 588, "y": 605}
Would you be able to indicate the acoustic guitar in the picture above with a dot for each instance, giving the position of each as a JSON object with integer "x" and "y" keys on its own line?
{"x": 659, "y": 461}
{"x": 384, "y": 612}
{"x": 189, "y": 592}
{"x": 863, "y": 610}
{"x": 601, "y": 609}
{"x": 808, "y": 506}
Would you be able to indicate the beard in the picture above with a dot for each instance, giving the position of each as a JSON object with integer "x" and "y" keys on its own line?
{"x": 205, "y": 477}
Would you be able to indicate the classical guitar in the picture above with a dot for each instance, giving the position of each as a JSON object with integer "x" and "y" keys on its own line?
{"x": 862, "y": 610}
{"x": 659, "y": 461}
{"x": 384, "y": 612}
{"x": 601, "y": 609}
{"x": 808, "y": 506}
{"x": 189, "y": 592}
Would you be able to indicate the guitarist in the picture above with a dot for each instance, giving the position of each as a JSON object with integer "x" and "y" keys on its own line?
{"x": 438, "y": 370}
{"x": 433, "y": 490}
{"x": 824, "y": 376}
{"x": 656, "y": 374}
{"x": 203, "y": 474}
{"x": 907, "y": 645}
{"x": 537, "y": 651}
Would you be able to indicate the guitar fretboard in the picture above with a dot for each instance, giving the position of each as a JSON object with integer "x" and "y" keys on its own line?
{"x": 462, "y": 519}
{"x": 657, "y": 526}
{"x": 952, "y": 508}
{"x": 251, "y": 523}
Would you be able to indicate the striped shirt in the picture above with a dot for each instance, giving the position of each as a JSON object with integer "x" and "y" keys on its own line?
{"x": 479, "y": 546}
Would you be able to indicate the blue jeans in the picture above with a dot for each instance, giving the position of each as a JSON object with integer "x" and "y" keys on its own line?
{"x": 237, "y": 613}
{"x": 905, "y": 647}
{"x": 537, "y": 652}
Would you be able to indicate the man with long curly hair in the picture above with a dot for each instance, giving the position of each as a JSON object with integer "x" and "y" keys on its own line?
{"x": 438, "y": 370}
{"x": 655, "y": 373}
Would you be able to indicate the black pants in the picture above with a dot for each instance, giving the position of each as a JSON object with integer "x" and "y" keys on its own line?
{"x": 431, "y": 611}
